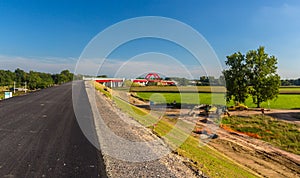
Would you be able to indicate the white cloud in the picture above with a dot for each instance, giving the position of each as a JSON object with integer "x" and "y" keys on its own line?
{"x": 137, "y": 66}
{"x": 133, "y": 69}
{"x": 46, "y": 64}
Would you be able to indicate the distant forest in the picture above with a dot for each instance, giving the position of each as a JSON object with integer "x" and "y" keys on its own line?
{"x": 212, "y": 81}
{"x": 34, "y": 80}
{"x": 220, "y": 81}
{"x": 289, "y": 82}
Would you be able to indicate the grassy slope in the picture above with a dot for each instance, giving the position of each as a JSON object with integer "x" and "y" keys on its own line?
{"x": 281, "y": 134}
{"x": 205, "y": 158}
{"x": 290, "y": 101}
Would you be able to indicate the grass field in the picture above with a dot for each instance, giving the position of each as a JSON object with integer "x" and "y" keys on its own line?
{"x": 281, "y": 134}
{"x": 289, "y": 90}
{"x": 284, "y": 101}
{"x": 187, "y": 98}
{"x": 182, "y": 89}
{"x": 201, "y": 89}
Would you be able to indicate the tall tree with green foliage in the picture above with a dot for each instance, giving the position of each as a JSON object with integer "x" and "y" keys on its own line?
{"x": 33, "y": 80}
{"x": 264, "y": 80}
{"x": 20, "y": 76}
{"x": 236, "y": 78}
{"x": 65, "y": 76}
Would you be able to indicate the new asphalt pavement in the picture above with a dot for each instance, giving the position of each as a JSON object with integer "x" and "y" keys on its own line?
{"x": 40, "y": 137}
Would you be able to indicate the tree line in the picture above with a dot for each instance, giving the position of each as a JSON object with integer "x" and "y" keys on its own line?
{"x": 290, "y": 82}
{"x": 34, "y": 80}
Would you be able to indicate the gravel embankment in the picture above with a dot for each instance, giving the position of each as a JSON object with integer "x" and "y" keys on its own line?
{"x": 117, "y": 157}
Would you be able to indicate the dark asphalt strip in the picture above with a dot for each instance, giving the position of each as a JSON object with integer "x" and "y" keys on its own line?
{"x": 40, "y": 137}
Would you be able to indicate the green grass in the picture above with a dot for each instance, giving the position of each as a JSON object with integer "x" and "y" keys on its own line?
{"x": 290, "y": 101}
{"x": 140, "y": 115}
{"x": 289, "y": 90}
{"x": 102, "y": 89}
{"x": 176, "y": 89}
{"x": 204, "y": 158}
{"x": 281, "y": 134}
{"x": 187, "y": 98}
{"x": 201, "y": 89}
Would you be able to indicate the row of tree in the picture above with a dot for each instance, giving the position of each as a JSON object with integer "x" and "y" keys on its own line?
{"x": 290, "y": 82}
{"x": 254, "y": 73}
{"x": 213, "y": 81}
{"x": 33, "y": 79}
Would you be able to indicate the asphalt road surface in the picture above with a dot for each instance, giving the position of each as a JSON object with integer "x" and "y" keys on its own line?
{"x": 40, "y": 137}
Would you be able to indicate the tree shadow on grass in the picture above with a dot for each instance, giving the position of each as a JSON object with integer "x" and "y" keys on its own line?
{"x": 288, "y": 116}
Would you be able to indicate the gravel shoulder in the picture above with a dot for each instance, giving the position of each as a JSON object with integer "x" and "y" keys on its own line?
{"x": 117, "y": 157}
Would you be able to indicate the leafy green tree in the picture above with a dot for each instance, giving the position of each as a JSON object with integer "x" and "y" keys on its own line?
{"x": 264, "y": 80}
{"x": 55, "y": 78}
{"x": 34, "y": 80}
{"x": 7, "y": 78}
{"x": 204, "y": 81}
{"x": 20, "y": 76}
{"x": 102, "y": 76}
{"x": 46, "y": 80}
{"x": 180, "y": 81}
{"x": 65, "y": 76}
{"x": 236, "y": 78}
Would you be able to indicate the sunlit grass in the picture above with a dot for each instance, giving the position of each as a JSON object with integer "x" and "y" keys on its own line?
{"x": 279, "y": 133}
{"x": 284, "y": 101}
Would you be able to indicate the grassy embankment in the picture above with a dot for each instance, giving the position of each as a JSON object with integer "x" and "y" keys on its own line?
{"x": 204, "y": 158}
{"x": 280, "y": 134}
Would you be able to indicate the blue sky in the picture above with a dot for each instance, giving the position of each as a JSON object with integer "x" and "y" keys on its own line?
{"x": 50, "y": 35}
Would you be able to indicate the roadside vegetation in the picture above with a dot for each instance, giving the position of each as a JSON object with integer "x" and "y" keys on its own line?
{"x": 279, "y": 133}
{"x": 32, "y": 80}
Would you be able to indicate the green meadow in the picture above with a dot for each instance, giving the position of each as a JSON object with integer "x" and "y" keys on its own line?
{"x": 284, "y": 101}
